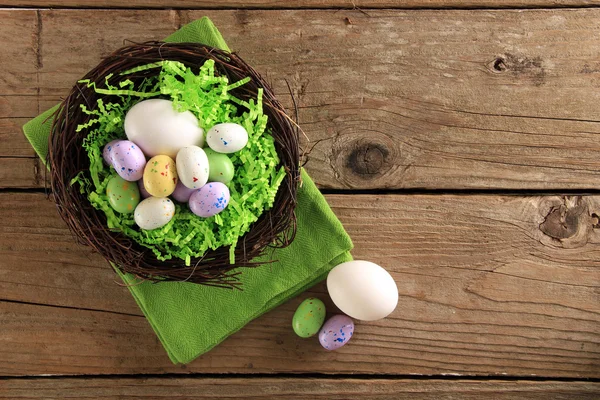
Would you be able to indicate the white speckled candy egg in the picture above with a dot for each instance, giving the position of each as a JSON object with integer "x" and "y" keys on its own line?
{"x": 154, "y": 212}
{"x": 128, "y": 160}
{"x": 209, "y": 200}
{"x": 227, "y": 137}
{"x": 192, "y": 167}
{"x": 158, "y": 129}
{"x": 363, "y": 290}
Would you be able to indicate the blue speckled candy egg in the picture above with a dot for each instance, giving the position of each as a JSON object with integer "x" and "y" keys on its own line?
{"x": 128, "y": 160}
{"x": 209, "y": 200}
{"x": 336, "y": 332}
{"x": 107, "y": 152}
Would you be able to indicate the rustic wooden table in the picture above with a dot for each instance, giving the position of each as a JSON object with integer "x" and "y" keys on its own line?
{"x": 458, "y": 142}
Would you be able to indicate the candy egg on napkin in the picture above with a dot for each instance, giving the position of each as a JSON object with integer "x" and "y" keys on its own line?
{"x": 158, "y": 128}
{"x": 160, "y": 176}
{"x": 220, "y": 167}
{"x": 363, "y": 290}
{"x": 227, "y": 137}
{"x": 209, "y": 200}
{"x": 192, "y": 167}
{"x": 127, "y": 159}
{"x": 123, "y": 196}
{"x": 154, "y": 212}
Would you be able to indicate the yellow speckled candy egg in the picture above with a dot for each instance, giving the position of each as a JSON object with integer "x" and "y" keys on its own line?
{"x": 160, "y": 176}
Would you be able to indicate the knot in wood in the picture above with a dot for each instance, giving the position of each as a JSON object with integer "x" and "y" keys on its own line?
{"x": 368, "y": 158}
{"x": 562, "y": 222}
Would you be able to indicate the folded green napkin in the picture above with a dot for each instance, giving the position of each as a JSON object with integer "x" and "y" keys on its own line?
{"x": 191, "y": 319}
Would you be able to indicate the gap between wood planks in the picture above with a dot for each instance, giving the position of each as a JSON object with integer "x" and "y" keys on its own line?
{"x": 306, "y": 376}
{"x": 344, "y": 5}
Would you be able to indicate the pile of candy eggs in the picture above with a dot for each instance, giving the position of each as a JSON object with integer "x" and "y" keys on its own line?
{"x": 163, "y": 158}
{"x": 360, "y": 289}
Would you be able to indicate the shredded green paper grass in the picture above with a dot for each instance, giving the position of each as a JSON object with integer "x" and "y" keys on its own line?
{"x": 207, "y": 96}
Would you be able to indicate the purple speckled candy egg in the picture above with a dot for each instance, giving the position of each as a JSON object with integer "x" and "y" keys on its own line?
{"x": 128, "y": 160}
{"x": 143, "y": 192}
{"x": 336, "y": 332}
{"x": 210, "y": 199}
{"x": 107, "y": 152}
{"x": 182, "y": 193}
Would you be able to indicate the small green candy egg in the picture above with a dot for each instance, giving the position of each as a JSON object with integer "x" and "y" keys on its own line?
{"x": 123, "y": 196}
{"x": 309, "y": 317}
{"x": 220, "y": 167}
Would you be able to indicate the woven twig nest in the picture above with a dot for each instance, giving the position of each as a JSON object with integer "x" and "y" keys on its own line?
{"x": 275, "y": 228}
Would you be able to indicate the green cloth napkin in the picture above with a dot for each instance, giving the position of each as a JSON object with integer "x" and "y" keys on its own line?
{"x": 191, "y": 319}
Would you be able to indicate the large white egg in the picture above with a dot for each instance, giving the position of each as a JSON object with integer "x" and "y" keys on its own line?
{"x": 192, "y": 167}
{"x": 227, "y": 137}
{"x": 158, "y": 129}
{"x": 154, "y": 212}
{"x": 363, "y": 290}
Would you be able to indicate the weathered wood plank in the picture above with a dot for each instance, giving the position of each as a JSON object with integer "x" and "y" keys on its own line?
{"x": 294, "y": 388}
{"x": 20, "y": 61}
{"x": 17, "y": 172}
{"x": 394, "y": 99}
{"x": 483, "y": 291}
{"x": 278, "y": 4}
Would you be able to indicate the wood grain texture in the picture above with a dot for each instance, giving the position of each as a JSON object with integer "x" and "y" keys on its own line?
{"x": 23, "y": 173}
{"x": 488, "y": 285}
{"x": 455, "y": 99}
{"x": 293, "y": 388}
{"x": 291, "y": 4}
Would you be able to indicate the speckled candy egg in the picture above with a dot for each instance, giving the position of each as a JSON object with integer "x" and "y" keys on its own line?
{"x": 192, "y": 167}
{"x": 227, "y": 137}
{"x": 182, "y": 193}
{"x": 336, "y": 332}
{"x": 107, "y": 152}
{"x": 143, "y": 192}
{"x": 128, "y": 160}
{"x": 123, "y": 196}
{"x": 220, "y": 167}
{"x": 158, "y": 128}
{"x": 209, "y": 200}
{"x": 160, "y": 176}
{"x": 154, "y": 212}
{"x": 309, "y": 317}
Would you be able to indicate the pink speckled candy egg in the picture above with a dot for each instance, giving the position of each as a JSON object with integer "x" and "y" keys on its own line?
{"x": 182, "y": 193}
{"x": 128, "y": 160}
{"x": 143, "y": 192}
{"x": 209, "y": 200}
{"x": 107, "y": 152}
{"x": 336, "y": 332}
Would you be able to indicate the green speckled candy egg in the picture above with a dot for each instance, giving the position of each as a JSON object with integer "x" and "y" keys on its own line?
{"x": 220, "y": 167}
{"x": 309, "y": 317}
{"x": 123, "y": 196}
